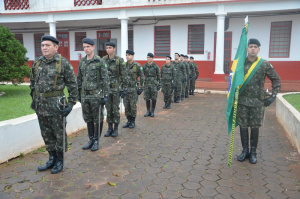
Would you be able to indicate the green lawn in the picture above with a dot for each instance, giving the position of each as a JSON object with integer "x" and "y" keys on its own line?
{"x": 294, "y": 100}
{"x": 16, "y": 101}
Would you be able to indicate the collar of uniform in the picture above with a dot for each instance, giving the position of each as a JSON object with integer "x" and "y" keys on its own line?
{"x": 55, "y": 58}
{"x": 247, "y": 60}
{"x": 127, "y": 64}
{"x": 113, "y": 59}
{"x": 90, "y": 60}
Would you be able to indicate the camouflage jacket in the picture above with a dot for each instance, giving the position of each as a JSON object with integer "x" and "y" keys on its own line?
{"x": 92, "y": 77}
{"x": 152, "y": 74}
{"x": 117, "y": 73}
{"x": 192, "y": 70}
{"x": 183, "y": 69}
{"x": 167, "y": 74}
{"x": 178, "y": 68}
{"x": 187, "y": 68}
{"x": 48, "y": 83}
{"x": 254, "y": 94}
{"x": 196, "y": 69}
{"x": 135, "y": 76}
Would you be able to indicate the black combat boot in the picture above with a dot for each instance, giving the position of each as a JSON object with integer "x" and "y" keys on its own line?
{"x": 253, "y": 145}
{"x": 153, "y": 108}
{"x": 115, "y": 132}
{"x": 109, "y": 130}
{"x": 176, "y": 99}
{"x": 186, "y": 94}
{"x": 245, "y": 144}
{"x": 169, "y": 105}
{"x": 59, "y": 164}
{"x": 132, "y": 124}
{"x": 97, "y": 136}
{"x": 90, "y": 128}
{"x": 128, "y": 122}
{"x": 148, "y": 108}
{"x": 192, "y": 92}
{"x": 50, "y": 163}
{"x": 165, "y": 106}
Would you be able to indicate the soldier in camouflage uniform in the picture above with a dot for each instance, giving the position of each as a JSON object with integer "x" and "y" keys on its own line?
{"x": 117, "y": 88}
{"x": 183, "y": 76}
{"x": 92, "y": 79}
{"x": 196, "y": 75}
{"x": 167, "y": 81}
{"x": 49, "y": 75}
{"x": 135, "y": 88}
{"x": 252, "y": 100}
{"x": 178, "y": 80}
{"x": 188, "y": 75}
{"x": 191, "y": 76}
{"x": 152, "y": 84}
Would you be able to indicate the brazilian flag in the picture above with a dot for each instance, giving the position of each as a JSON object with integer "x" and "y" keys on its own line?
{"x": 236, "y": 77}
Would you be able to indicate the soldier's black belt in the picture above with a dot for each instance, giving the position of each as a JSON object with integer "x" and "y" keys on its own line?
{"x": 91, "y": 92}
{"x": 49, "y": 94}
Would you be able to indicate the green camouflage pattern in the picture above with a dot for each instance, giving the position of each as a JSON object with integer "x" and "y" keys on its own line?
{"x": 193, "y": 80}
{"x": 167, "y": 78}
{"x": 152, "y": 80}
{"x": 177, "y": 77}
{"x": 249, "y": 116}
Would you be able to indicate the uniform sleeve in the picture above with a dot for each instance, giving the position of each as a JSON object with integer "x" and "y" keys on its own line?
{"x": 158, "y": 73}
{"x": 188, "y": 72}
{"x": 173, "y": 73}
{"x": 274, "y": 77}
{"x": 196, "y": 70}
{"x": 124, "y": 75}
{"x": 141, "y": 75}
{"x": 183, "y": 70}
{"x": 70, "y": 81}
{"x": 32, "y": 82}
{"x": 104, "y": 77}
{"x": 79, "y": 78}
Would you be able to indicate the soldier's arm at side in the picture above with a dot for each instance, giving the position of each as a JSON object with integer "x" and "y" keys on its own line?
{"x": 158, "y": 73}
{"x": 79, "y": 78}
{"x": 274, "y": 77}
{"x": 141, "y": 75}
{"x": 70, "y": 81}
{"x": 123, "y": 73}
{"x": 104, "y": 77}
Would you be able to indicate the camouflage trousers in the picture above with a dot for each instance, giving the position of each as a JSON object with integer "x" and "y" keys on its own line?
{"x": 167, "y": 90}
{"x": 113, "y": 108}
{"x": 90, "y": 110}
{"x": 249, "y": 116}
{"x": 192, "y": 84}
{"x": 150, "y": 92}
{"x": 187, "y": 85}
{"x": 52, "y": 132}
{"x": 130, "y": 104}
{"x": 183, "y": 88}
{"x": 177, "y": 91}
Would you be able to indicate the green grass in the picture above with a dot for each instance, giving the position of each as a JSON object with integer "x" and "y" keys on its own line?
{"x": 16, "y": 101}
{"x": 294, "y": 100}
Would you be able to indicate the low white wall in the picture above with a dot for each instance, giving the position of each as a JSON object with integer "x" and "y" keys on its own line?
{"x": 289, "y": 117}
{"x": 22, "y": 135}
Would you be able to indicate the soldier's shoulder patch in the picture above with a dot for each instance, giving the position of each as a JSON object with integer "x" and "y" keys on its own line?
{"x": 141, "y": 68}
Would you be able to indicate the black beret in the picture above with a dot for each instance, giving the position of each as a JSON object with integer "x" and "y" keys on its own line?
{"x": 169, "y": 57}
{"x": 186, "y": 56}
{"x": 191, "y": 57}
{"x": 88, "y": 41}
{"x": 110, "y": 44}
{"x": 254, "y": 41}
{"x": 49, "y": 38}
{"x": 177, "y": 53}
{"x": 181, "y": 55}
{"x": 130, "y": 52}
{"x": 150, "y": 55}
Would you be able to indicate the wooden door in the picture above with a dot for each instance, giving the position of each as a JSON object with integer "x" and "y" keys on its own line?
{"x": 64, "y": 47}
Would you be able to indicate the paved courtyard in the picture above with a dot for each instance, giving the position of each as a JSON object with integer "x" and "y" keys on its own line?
{"x": 180, "y": 153}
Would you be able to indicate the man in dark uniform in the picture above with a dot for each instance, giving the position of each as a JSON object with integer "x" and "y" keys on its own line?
{"x": 193, "y": 80}
{"x": 253, "y": 100}
{"x": 152, "y": 84}
{"x": 184, "y": 76}
{"x": 92, "y": 79}
{"x": 117, "y": 84}
{"x": 167, "y": 80}
{"x": 135, "y": 87}
{"x": 188, "y": 75}
{"x": 49, "y": 75}
{"x": 178, "y": 80}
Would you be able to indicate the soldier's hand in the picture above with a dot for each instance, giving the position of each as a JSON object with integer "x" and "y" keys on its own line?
{"x": 269, "y": 100}
{"x": 139, "y": 91}
{"x": 66, "y": 111}
{"x": 104, "y": 100}
{"x": 124, "y": 93}
{"x": 158, "y": 87}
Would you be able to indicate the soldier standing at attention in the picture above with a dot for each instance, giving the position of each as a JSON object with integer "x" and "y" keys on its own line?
{"x": 118, "y": 88}
{"x": 178, "y": 68}
{"x": 152, "y": 83}
{"x": 135, "y": 88}
{"x": 188, "y": 74}
{"x": 183, "y": 76}
{"x": 191, "y": 76}
{"x": 167, "y": 80}
{"x": 193, "y": 80}
{"x": 92, "y": 79}
{"x": 49, "y": 75}
{"x": 252, "y": 100}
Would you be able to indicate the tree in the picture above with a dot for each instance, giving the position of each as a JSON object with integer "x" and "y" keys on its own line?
{"x": 13, "y": 66}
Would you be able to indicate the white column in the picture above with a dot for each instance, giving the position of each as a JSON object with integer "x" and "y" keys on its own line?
{"x": 219, "y": 64}
{"x": 124, "y": 36}
{"x": 52, "y": 25}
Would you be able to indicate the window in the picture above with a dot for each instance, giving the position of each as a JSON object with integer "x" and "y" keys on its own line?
{"x": 87, "y": 2}
{"x": 130, "y": 39}
{"x": 16, "y": 4}
{"x": 37, "y": 44}
{"x": 196, "y": 39}
{"x": 162, "y": 41}
{"x": 280, "y": 39}
{"x": 79, "y": 36}
{"x": 19, "y": 37}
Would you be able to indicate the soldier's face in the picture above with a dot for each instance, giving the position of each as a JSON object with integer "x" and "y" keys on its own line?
{"x": 253, "y": 50}
{"x": 110, "y": 50}
{"x": 129, "y": 57}
{"x": 168, "y": 60}
{"x": 186, "y": 59}
{"x": 181, "y": 58}
{"x": 176, "y": 56}
{"x": 149, "y": 59}
{"x": 191, "y": 60}
{"x": 49, "y": 49}
{"x": 88, "y": 49}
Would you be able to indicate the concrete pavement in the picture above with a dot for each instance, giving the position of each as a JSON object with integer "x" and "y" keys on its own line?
{"x": 180, "y": 153}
